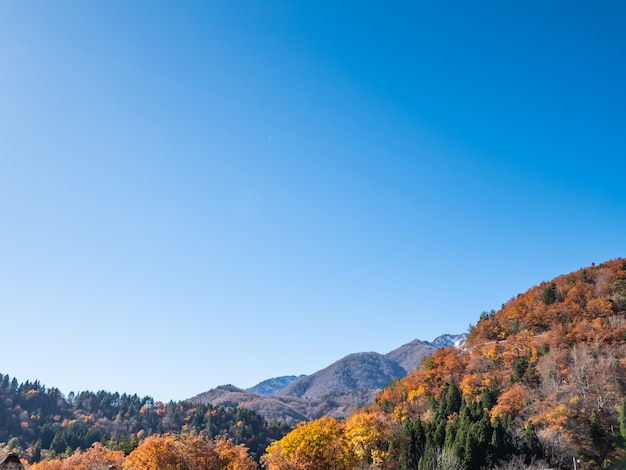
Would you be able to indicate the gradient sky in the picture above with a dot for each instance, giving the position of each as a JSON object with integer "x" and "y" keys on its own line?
{"x": 201, "y": 193}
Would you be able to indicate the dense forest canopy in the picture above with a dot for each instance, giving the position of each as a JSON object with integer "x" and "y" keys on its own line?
{"x": 41, "y": 423}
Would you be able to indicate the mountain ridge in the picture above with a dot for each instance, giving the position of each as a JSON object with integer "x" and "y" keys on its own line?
{"x": 336, "y": 390}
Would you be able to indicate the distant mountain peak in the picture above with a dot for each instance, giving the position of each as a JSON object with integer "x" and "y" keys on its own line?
{"x": 455, "y": 341}
{"x": 273, "y": 385}
{"x": 336, "y": 390}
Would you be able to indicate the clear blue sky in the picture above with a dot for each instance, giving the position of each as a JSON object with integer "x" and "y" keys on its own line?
{"x": 201, "y": 193}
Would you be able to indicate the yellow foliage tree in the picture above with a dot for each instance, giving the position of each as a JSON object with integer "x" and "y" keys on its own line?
{"x": 364, "y": 436}
{"x": 310, "y": 446}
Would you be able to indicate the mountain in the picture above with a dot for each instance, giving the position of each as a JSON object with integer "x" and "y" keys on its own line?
{"x": 337, "y": 390}
{"x": 455, "y": 341}
{"x": 271, "y": 386}
{"x": 360, "y": 371}
{"x": 410, "y": 355}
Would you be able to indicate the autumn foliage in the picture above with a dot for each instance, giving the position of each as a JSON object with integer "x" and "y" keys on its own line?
{"x": 168, "y": 451}
{"x": 96, "y": 457}
{"x": 543, "y": 378}
{"x": 160, "y": 452}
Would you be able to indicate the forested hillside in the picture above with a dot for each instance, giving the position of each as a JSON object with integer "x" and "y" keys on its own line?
{"x": 41, "y": 423}
{"x": 544, "y": 378}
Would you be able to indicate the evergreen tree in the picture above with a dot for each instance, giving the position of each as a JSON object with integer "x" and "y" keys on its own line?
{"x": 549, "y": 294}
{"x": 414, "y": 438}
{"x": 622, "y": 422}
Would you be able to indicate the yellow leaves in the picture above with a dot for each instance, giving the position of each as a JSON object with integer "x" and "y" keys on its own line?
{"x": 361, "y": 440}
{"x": 554, "y": 418}
{"x": 379, "y": 457}
{"x": 413, "y": 395}
{"x": 600, "y": 306}
{"x": 399, "y": 414}
{"x": 363, "y": 435}
{"x": 557, "y": 416}
{"x": 493, "y": 353}
{"x": 310, "y": 445}
{"x": 470, "y": 385}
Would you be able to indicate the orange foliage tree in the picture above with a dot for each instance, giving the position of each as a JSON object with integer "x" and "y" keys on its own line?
{"x": 165, "y": 452}
{"x": 95, "y": 458}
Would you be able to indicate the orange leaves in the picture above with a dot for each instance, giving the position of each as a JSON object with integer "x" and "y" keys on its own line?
{"x": 231, "y": 456}
{"x": 511, "y": 402}
{"x": 162, "y": 452}
{"x": 47, "y": 465}
{"x": 97, "y": 456}
{"x": 556, "y": 418}
{"x": 167, "y": 451}
{"x": 600, "y": 306}
{"x": 471, "y": 385}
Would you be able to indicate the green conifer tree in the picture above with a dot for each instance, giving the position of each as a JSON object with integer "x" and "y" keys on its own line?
{"x": 622, "y": 422}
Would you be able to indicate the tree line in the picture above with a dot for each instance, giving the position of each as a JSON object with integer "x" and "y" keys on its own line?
{"x": 41, "y": 423}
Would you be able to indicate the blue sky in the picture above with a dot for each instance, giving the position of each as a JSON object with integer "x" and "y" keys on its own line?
{"x": 201, "y": 193}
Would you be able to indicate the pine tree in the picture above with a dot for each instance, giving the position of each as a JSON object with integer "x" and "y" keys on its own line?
{"x": 622, "y": 422}
{"x": 549, "y": 294}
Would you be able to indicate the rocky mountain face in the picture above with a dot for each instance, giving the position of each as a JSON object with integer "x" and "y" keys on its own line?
{"x": 336, "y": 391}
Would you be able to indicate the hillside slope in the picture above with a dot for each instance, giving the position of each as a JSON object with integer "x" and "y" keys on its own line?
{"x": 550, "y": 367}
